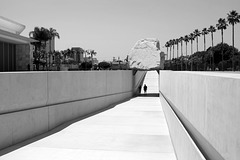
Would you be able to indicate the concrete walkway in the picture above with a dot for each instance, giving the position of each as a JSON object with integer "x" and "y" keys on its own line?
{"x": 133, "y": 130}
{"x": 151, "y": 80}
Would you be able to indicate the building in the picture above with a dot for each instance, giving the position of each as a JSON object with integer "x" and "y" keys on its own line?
{"x": 78, "y": 54}
{"x": 119, "y": 65}
{"x": 16, "y": 52}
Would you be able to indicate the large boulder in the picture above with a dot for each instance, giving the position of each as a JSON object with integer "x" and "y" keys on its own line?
{"x": 145, "y": 55}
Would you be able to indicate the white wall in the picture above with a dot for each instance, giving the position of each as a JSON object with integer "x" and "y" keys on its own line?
{"x": 184, "y": 146}
{"x": 209, "y": 105}
{"x": 35, "y": 102}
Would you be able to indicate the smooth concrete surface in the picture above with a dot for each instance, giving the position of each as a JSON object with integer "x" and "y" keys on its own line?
{"x": 35, "y": 102}
{"x": 210, "y": 103}
{"x": 138, "y": 80}
{"x": 184, "y": 146}
{"x": 22, "y": 90}
{"x": 134, "y": 130}
{"x": 151, "y": 80}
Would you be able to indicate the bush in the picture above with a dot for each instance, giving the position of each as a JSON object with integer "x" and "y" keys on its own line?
{"x": 86, "y": 66}
{"x": 104, "y": 65}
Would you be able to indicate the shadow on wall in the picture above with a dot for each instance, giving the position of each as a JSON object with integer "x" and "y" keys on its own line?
{"x": 55, "y": 130}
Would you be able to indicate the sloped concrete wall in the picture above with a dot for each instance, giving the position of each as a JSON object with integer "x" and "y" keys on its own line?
{"x": 138, "y": 79}
{"x": 36, "y": 102}
{"x": 208, "y": 105}
{"x": 184, "y": 146}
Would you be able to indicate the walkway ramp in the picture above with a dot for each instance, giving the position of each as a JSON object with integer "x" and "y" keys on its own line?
{"x": 151, "y": 80}
{"x": 133, "y": 130}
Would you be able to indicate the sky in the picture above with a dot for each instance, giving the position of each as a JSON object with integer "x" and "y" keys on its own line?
{"x": 112, "y": 27}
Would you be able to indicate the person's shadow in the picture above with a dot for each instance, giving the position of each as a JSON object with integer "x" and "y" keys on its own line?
{"x": 149, "y": 95}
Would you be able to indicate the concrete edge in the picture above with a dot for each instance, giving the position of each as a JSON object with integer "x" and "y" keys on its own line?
{"x": 181, "y": 129}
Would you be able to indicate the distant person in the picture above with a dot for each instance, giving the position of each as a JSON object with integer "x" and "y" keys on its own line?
{"x": 145, "y": 88}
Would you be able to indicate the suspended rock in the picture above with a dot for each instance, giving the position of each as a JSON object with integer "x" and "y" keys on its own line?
{"x": 146, "y": 54}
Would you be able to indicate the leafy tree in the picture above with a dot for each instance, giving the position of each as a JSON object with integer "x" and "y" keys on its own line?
{"x": 104, "y": 65}
{"x": 57, "y": 59}
{"x": 227, "y": 55}
{"x": 196, "y": 59}
{"x": 86, "y": 66}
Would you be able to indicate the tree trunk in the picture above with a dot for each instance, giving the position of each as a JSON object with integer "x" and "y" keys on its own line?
{"x": 92, "y": 60}
{"x": 173, "y": 52}
{"x": 170, "y": 60}
{"x": 177, "y": 57}
{"x": 197, "y": 43}
{"x": 222, "y": 48}
{"x": 191, "y": 54}
{"x": 186, "y": 57}
{"x": 181, "y": 57}
{"x": 46, "y": 55}
{"x": 173, "y": 57}
{"x": 212, "y": 54}
{"x": 167, "y": 53}
{"x": 204, "y": 42}
{"x": 233, "y": 60}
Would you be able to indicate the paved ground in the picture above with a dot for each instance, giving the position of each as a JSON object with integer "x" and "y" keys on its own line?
{"x": 133, "y": 130}
{"x": 151, "y": 80}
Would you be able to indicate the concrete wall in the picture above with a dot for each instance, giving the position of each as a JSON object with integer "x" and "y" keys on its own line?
{"x": 184, "y": 146}
{"x": 35, "y": 102}
{"x": 208, "y": 106}
{"x": 138, "y": 79}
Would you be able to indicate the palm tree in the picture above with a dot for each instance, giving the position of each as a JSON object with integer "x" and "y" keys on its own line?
{"x": 197, "y": 34}
{"x": 173, "y": 43}
{"x": 170, "y": 60}
{"x": 167, "y": 45}
{"x": 91, "y": 53}
{"x": 186, "y": 39}
{"x": 212, "y": 29}
{"x": 222, "y": 25}
{"x": 42, "y": 35}
{"x": 53, "y": 34}
{"x": 233, "y": 18}
{"x": 181, "y": 40}
{"x": 204, "y": 33}
{"x": 191, "y": 37}
{"x": 170, "y": 45}
{"x": 176, "y": 42}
